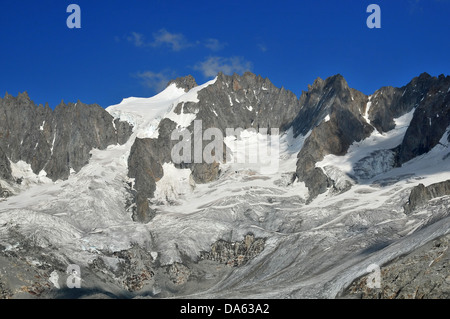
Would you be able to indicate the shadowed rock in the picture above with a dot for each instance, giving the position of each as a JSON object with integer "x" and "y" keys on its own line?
{"x": 55, "y": 141}
{"x": 420, "y": 195}
{"x": 186, "y": 82}
{"x": 344, "y": 106}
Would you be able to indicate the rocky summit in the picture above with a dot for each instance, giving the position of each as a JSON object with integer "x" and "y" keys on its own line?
{"x": 356, "y": 182}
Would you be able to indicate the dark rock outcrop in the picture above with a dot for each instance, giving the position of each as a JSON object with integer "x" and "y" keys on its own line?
{"x": 431, "y": 118}
{"x": 178, "y": 273}
{"x": 388, "y": 103}
{"x": 247, "y": 101}
{"x": 145, "y": 165}
{"x": 420, "y": 195}
{"x": 5, "y": 167}
{"x": 134, "y": 271}
{"x": 235, "y": 254}
{"x": 421, "y": 274}
{"x": 427, "y": 95}
{"x": 344, "y": 107}
{"x": 55, "y": 140}
{"x": 205, "y": 173}
{"x": 186, "y": 82}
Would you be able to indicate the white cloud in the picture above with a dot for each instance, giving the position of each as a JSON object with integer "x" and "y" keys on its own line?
{"x": 175, "y": 41}
{"x": 214, "y": 44}
{"x": 137, "y": 39}
{"x": 213, "y": 65}
{"x": 262, "y": 47}
{"x": 155, "y": 81}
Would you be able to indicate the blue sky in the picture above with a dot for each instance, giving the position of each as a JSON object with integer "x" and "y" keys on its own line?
{"x": 132, "y": 48}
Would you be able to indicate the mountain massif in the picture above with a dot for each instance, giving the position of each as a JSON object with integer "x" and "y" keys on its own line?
{"x": 360, "y": 180}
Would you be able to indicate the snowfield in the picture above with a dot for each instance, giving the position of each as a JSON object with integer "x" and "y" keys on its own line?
{"x": 311, "y": 251}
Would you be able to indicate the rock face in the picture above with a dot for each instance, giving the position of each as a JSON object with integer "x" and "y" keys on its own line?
{"x": 5, "y": 167}
{"x": 420, "y": 195}
{"x": 178, "y": 273}
{"x": 133, "y": 269}
{"x": 333, "y": 114}
{"x": 145, "y": 165}
{"x": 431, "y": 118}
{"x": 54, "y": 141}
{"x": 247, "y": 101}
{"x": 330, "y": 111}
{"x": 428, "y": 97}
{"x": 235, "y": 254}
{"x": 344, "y": 107}
{"x": 422, "y": 274}
{"x": 187, "y": 82}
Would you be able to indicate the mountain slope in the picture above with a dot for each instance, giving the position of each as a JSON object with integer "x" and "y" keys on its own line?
{"x": 139, "y": 224}
{"x": 55, "y": 141}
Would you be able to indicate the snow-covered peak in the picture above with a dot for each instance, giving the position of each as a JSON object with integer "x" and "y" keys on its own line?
{"x": 185, "y": 119}
{"x": 146, "y": 113}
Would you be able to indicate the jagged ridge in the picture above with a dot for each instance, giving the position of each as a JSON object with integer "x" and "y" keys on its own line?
{"x": 54, "y": 141}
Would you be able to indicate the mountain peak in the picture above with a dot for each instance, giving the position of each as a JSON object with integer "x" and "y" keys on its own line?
{"x": 186, "y": 82}
{"x": 337, "y": 80}
{"x": 23, "y": 96}
{"x": 317, "y": 83}
{"x": 424, "y": 75}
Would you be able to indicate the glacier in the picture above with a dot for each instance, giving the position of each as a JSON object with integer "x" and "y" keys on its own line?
{"x": 311, "y": 251}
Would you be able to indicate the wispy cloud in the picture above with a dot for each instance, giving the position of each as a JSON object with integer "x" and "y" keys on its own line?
{"x": 213, "y": 65}
{"x": 155, "y": 81}
{"x": 214, "y": 44}
{"x": 161, "y": 38}
{"x": 176, "y": 41}
{"x": 415, "y": 6}
{"x": 137, "y": 39}
{"x": 262, "y": 47}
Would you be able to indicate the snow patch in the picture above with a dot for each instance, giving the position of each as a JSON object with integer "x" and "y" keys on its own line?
{"x": 183, "y": 119}
{"x": 174, "y": 184}
{"x": 54, "y": 279}
{"x": 231, "y": 102}
{"x": 368, "y": 105}
{"x": 22, "y": 170}
{"x": 146, "y": 113}
{"x": 375, "y": 142}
